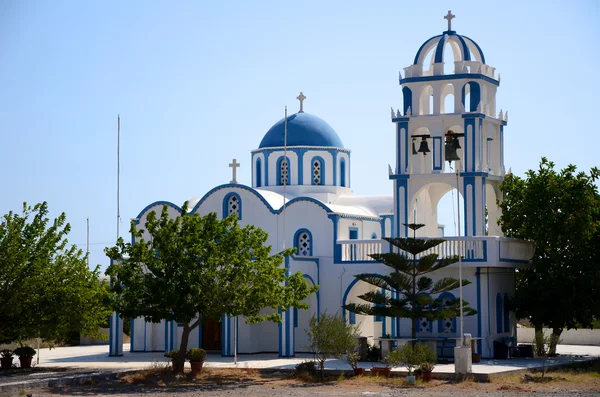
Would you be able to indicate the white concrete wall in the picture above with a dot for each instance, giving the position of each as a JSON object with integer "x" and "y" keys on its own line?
{"x": 569, "y": 337}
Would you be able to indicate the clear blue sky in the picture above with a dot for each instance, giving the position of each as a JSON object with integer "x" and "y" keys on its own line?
{"x": 199, "y": 83}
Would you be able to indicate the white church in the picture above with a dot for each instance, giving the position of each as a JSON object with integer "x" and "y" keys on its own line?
{"x": 301, "y": 192}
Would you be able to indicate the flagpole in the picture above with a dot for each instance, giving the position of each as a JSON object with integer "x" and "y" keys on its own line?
{"x": 118, "y": 171}
{"x": 285, "y": 181}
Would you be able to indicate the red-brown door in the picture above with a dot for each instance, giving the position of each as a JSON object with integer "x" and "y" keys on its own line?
{"x": 211, "y": 335}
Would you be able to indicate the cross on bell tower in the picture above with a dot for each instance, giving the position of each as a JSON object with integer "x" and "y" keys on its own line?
{"x": 301, "y": 98}
{"x": 450, "y": 17}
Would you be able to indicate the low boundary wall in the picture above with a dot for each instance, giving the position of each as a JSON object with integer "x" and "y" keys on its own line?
{"x": 568, "y": 337}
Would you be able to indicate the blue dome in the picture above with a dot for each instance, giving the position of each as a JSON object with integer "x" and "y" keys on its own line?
{"x": 467, "y": 47}
{"x": 303, "y": 129}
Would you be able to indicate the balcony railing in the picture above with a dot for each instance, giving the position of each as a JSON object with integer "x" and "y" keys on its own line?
{"x": 490, "y": 249}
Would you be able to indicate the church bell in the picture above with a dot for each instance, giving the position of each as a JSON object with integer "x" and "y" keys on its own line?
{"x": 424, "y": 147}
{"x": 450, "y": 150}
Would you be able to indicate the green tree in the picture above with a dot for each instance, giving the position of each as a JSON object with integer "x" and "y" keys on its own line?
{"x": 330, "y": 336}
{"x": 560, "y": 212}
{"x": 46, "y": 287}
{"x": 416, "y": 299}
{"x": 197, "y": 268}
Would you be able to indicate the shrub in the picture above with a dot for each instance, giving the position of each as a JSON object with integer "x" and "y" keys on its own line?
{"x": 196, "y": 354}
{"x": 411, "y": 356}
{"x": 374, "y": 353}
{"x": 353, "y": 359}
{"x": 25, "y": 351}
{"x": 173, "y": 354}
{"x": 6, "y": 353}
{"x": 426, "y": 366}
{"x": 306, "y": 366}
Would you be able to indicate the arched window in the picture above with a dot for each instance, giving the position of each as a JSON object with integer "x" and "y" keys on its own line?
{"x": 471, "y": 95}
{"x": 506, "y": 314}
{"x": 258, "y": 173}
{"x": 283, "y": 171}
{"x": 499, "y": 313}
{"x": 374, "y": 236}
{"x": 303, "y": 243}
{"x": 343, "y": 172}
{"x": 317, "y": 171}
{"x": 424, "y": 324}
{"x": 407, "y": 99}
{"x": 232, "y": 204}
{"x": 447, "y": 325}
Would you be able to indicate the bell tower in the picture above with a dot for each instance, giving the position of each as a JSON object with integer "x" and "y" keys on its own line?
{"x": 448, "y": 134}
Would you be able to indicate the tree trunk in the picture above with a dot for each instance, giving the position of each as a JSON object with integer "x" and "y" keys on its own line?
{"x": 179, "y": 362}
{"x": 538, "y": 328}
{"x": 554, "y": 339}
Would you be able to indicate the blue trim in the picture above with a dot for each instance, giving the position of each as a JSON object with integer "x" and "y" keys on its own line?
{"x": 421, "y": 49}
{"x": 200, "y": 335}
{"x": 312, "y": 170}
{"x": 439, "y": 50}
{"x": 172, "y": 326}
{"x": 343, "y": 172}
{"x": 399, "y": 177}
{"x": 280, "y": 328}
{"x": 296, "y": 241}
{"x": 267, "y": 154}
{"x": 348, "y": 289}
{"x": 506, "y": 314}
{"x": 229, "y": 336}
{"x": 223, "y": 334}
{"x": 317, "y": 293}
{"x": 157, "y": 203}
{"x": 474, "y": 76}
{"x": 373, "y": 236}
{"x": 265, "y": 202}
{"x": 226, "y": 205}
{"x": 407, "y": 99}
{"x": 478, "y": 282}
{"x": 350, "y": 230}
{"x": 489, "y": 305}
{"x": 482, "y": 60}
{"x": 295, "y": 310}
{"x": 289, "y": 163}
{"x": 441, "y": 322}
{"x": 499, "y": 313}
{"x": 258, "y": 171}
{"x": 352, "y": 318}
{"x": 167, "y": 337}
{"x": 117, "y": 336}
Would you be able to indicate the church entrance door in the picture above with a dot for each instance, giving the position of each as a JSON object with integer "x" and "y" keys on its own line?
{"x": 211, "y": 335}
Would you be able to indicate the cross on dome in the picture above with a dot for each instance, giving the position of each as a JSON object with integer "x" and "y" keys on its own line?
{"x": 450, "y": 17}
{"x": 301, "y": 98}
{"x": 234, "y": 165}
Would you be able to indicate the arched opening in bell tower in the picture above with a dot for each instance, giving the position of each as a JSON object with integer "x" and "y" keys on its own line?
{"x": 434, "y": 205}
{"x": 447, "y": 99}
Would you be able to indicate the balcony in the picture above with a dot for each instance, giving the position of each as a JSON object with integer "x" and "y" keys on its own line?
{"x": 479, "y": 251}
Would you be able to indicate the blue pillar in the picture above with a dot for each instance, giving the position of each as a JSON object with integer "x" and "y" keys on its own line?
{"x": 115, "y": 337}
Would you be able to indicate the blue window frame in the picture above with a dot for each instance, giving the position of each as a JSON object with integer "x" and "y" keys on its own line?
{"x": 317, "y": 171}
{"x": 258, "y": 173}
{"x": 343, "y": 172}
{"x": 353, "y": 233}
{"x": 374, "y": 236}
{"x": 284, "y": 173}
{"x": 352, "y": 318}
{"x": 232, "y": 204}
{"x": 303, "y": 242}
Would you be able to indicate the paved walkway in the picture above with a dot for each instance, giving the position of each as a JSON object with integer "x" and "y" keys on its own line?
{"x": 96, "y": 358}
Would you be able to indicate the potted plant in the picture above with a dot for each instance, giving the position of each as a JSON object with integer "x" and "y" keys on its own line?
{"x": 412, "y": 357}
{"x": 426, "y": 369}
{"x": 173, "y": 356}
{"x": 25, "y": 354}
{"x": 6, "y": 359}
{"x": 196, "y": 357}
{"x": 353, "y": 359}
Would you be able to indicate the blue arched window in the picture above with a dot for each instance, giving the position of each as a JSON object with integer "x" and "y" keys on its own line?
{"x": 258, "y": 173}
{"x": 317, "y": 172}
{"x": 374, "y": 236}
{"x": 232, "y": 204}
{"x": 447, "y": 325}
{"x": 506, "y": 314}
{"x": 499, "y": 313}
{"x": 283, "y": 171}
{"x": 343, "y": 172}
{"x": 425, "y": 325}
{"x": 303, "y": 243}
{"x": 407, "y": 99}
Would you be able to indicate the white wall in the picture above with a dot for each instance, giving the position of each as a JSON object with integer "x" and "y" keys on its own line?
{"x": 568, "y": 337}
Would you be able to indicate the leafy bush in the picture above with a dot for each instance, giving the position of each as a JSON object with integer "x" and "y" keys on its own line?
{"x": 173, "y": 354}
{"x": 426, "y": 366}
{"x": 306, "y": 366}
{"x": 25, "y": 351}
{"x": 411, "y": 356}
{"x": 195, "y": 354}
{"x": 373, "y": 353}
{"x": 330, "y": 336}
{"x": 353, "y": 359}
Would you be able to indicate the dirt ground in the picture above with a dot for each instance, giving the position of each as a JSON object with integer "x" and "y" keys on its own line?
{"x": 236, "y": 382}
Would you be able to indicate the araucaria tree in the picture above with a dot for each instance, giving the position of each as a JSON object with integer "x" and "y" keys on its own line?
{"x": 197, "y": 268}
{"x": 560, "y": 212}
{"x": 46, "y": 287}
{"x": 406, "y": 292}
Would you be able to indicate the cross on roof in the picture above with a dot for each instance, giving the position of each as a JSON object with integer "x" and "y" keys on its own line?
{"x": 234, "y": 165}
{"x": 301, "y": 98}
{"x": 450, "y": 17}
